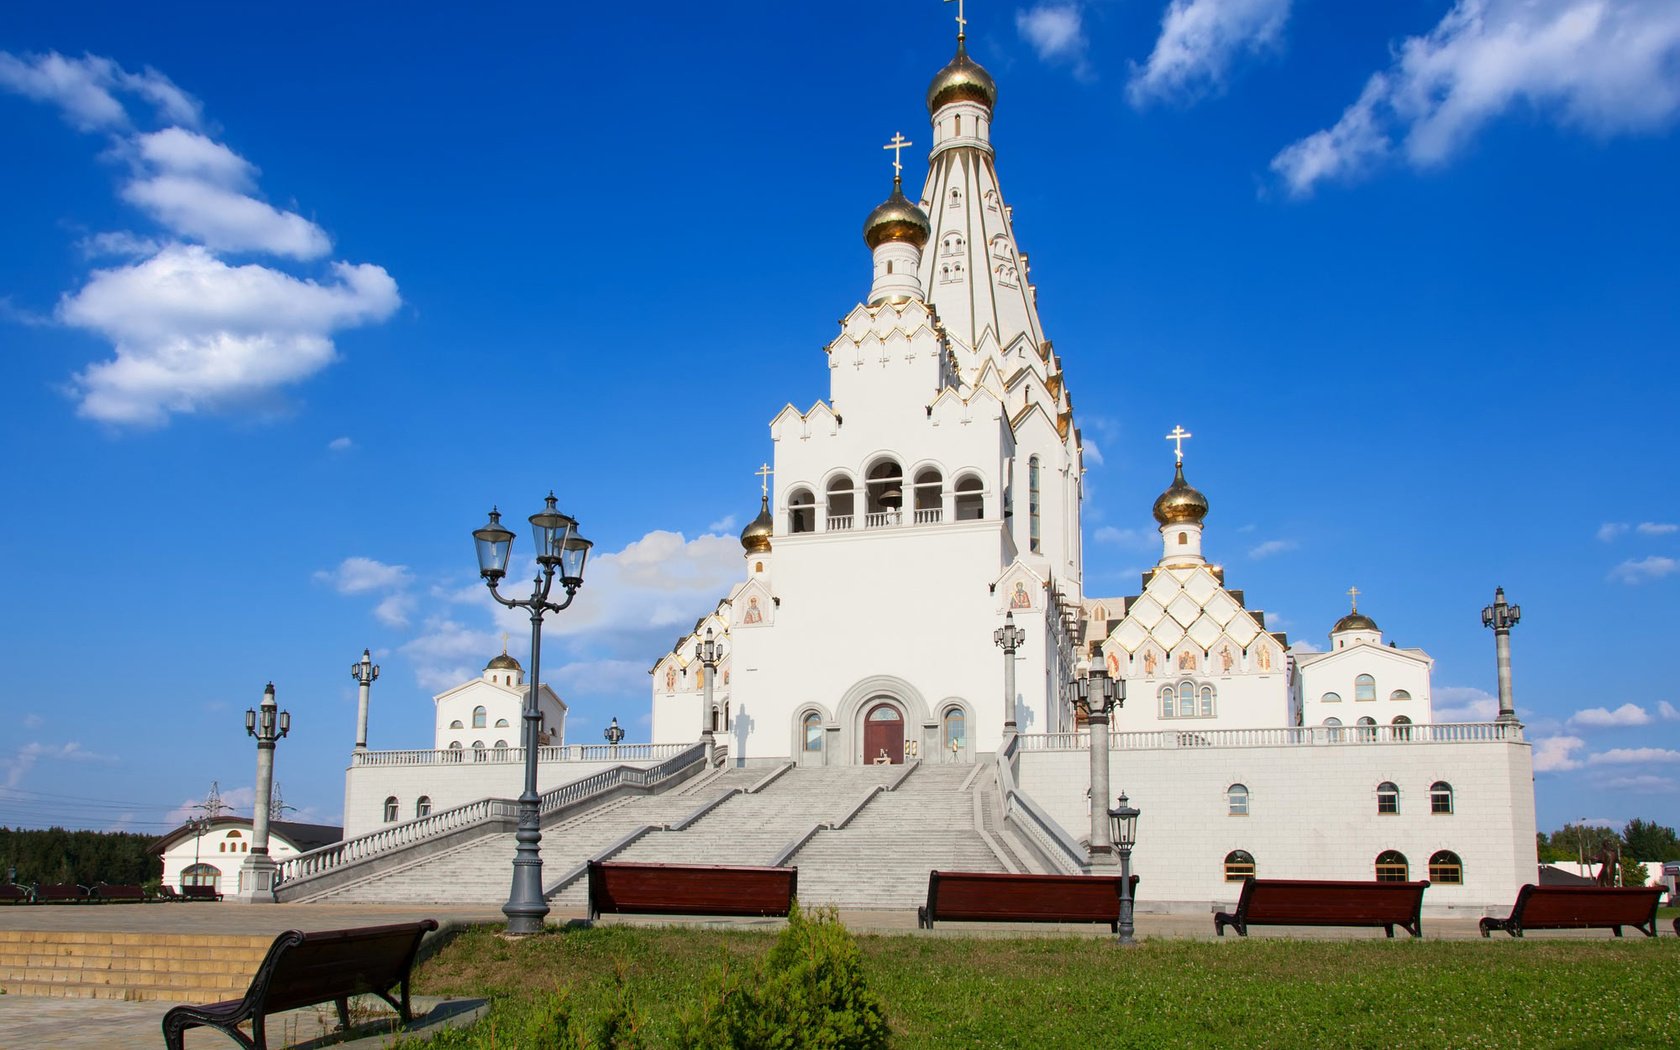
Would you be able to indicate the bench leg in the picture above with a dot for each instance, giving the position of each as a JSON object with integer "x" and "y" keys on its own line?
{"x": 1389, "y": 929}
{"x": 259, "y": 1034}
{"x": 1617, "y": 930}
{"x": 343, "y": 1004}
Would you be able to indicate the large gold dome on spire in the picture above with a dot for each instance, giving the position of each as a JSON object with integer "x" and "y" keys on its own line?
{"x": 755, "y": 538}
{"x": 896, "y": 219}
{"x": 1180, "y": 504}
{"x": 962, "y": 80}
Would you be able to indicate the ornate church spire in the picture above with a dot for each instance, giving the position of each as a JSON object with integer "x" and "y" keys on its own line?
{"x": 896, "y": 231}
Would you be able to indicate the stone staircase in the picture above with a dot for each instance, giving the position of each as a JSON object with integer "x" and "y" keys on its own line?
{"x": 100, "y": 964}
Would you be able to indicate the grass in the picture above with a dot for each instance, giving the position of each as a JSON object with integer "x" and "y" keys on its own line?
{"x": 1081, "y": 992}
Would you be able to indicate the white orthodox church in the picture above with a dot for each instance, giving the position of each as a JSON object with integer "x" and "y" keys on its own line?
{"x": 930, "y": 498}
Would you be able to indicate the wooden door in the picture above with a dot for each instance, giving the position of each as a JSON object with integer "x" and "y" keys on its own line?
{"x": 883, "y": 734}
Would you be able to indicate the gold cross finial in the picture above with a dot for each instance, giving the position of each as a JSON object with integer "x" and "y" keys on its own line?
{"x": 897, "y": 146}
{"x": 504, "y": 643}
{"x": 1177, "y": 438}
{"x": 764, "y": 473}
{"x": 1353, "y": 593}
{"x": 962, "y": 23}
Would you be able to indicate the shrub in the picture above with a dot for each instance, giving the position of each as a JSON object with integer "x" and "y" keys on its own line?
{"x": 809, "y": 992}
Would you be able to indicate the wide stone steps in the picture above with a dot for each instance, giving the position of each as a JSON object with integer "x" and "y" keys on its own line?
{"x": 91, "y": 964}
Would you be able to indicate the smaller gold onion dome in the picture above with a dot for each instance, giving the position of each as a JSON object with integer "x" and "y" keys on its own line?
{"x": 896, "y": 219}
{"x": 1355, "y": 621}
{"x": 962, "y": 80}
{"x": 755, "y": 538}
{"x": 1180, "y": 504}
{"x": 504, "y": 662}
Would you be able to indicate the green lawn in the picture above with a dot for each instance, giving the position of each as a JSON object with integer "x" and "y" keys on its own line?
{"x": 1076, "y": 992}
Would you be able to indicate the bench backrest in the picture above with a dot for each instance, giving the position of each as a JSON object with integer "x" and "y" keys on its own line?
{"x": 1588, "y": 905}
{"x": 208, "y": 893}
{"x": 60, "y": 891}
{"x": 9, "y": 892}
{"x": 302, "y": 969}
{"x": 1323, "y": 900}
{"x": 690, "y": 889}
{"x": 982, "y": 894}
{"x": 167, "y": 892}
{"x": 119, "y": 892}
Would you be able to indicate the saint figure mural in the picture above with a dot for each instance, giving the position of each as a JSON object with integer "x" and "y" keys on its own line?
{"x": 1020, "y": 599}
{"x": 753, "y": 613}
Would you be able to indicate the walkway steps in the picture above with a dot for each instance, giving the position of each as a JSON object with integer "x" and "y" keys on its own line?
{"x": 96, "y": 964}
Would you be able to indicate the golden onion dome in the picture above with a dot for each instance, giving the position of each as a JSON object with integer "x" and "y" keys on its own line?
{"x": 504, "y": 662}
{"x": 1180, "y": 504}
{"x": 755, "y": 538}
{"x": 1355, "y": 621}
{"x": 962, "y": 80}
{"x": 896, "y": 219}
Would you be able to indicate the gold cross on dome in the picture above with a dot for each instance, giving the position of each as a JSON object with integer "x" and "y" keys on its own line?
{"x": 504, "y": 643}
{"x": 962, "y": 23}
{"x": 897, "y": 146}
{"x": 1353, "y": 593}
{"x": 764, "y": 473}
{"x": 1177, "y": 438}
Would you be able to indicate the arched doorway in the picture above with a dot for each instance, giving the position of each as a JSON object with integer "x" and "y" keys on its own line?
{"x": 883, "y": 735}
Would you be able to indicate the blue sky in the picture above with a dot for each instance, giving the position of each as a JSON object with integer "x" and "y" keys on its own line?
{"x": 288, "y": 302}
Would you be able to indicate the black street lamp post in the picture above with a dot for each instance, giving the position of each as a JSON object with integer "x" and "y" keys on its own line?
{"x": 708, "y": 652}
{"x": 1009, "y": 638}
{"x": 560, "y": 550}
{"x": 1502, "y": 617}
{"x": 1097, "y": 696}
{"x": 1123, "y": 819}
{"x": 268, "y": 724}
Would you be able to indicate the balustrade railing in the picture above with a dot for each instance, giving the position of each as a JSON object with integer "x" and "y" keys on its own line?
{"x": 1298, "y": 736}
{"x": 397, "y": 836}
{"x": 882, "y": 519}
{"x": 839, "y": 522}
{"x": 1023, "y": 814}
{"x": 516, "y": 755}
{"x": 930, "y": 516}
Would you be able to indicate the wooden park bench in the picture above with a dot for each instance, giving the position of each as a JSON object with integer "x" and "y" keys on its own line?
{"x": 305, "y": 969}
{"x": 11, "y": 894}
{"x": 166, "y": 892}
{"x": 200, "y": 893}
{"x": 623, "y": 888}
{"x": 60, "y": 893}
{"x": 122, "y": 892}
{"x": 1580, "y": 907}
{"x": 989, "y": 896}
{"x": 1311, "y": 902}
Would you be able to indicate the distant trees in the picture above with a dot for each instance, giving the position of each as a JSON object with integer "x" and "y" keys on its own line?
{"x": 82, "y": 857}
{"x": 1639, "y": 840}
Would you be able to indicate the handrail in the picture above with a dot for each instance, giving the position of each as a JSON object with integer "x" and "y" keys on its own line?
{"x": 1293, "y": 736}
{"x": 385, "y": 840}
{"x": 1053, "y": 844}
{"x": 516, "y": 755}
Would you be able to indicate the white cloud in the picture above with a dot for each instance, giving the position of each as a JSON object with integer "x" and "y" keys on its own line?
{"x": 394, "y": 609}
{"x": 120, "y": 243}
{"x": 1656, "y": 528}
{"x": 1270, "y": 547}
{"x": 722, "y": 525}
{"x": 1606, "y": 68}
{"x": 1464, "y": 703}
{"x": 1199, "y": 41}
{"x": 1668, "y": 711}
{"x": 1057, "y": 32}
{"x": 1302, "y": 646}
{"x": 1610, "y": 530}
{"x": 1598, "y": 717}
{"x": 340, "y": 444}
{"x": 18, "y": 764}
{"x": 447, "y": 653}
{"x": 32, "y": 721}
{"x": 1137, "y": 539}
{"x": 358, "y": 575}
{"x": 85, "y": 89}
{"x": 1093, "y": 454}
{"x": 193, "y": 333}
{"x": 1654, "y": 567}
{"x": 1622, "y": 756}
{"x": 1647, "y": 784}
{"x": 1554, "y": 754}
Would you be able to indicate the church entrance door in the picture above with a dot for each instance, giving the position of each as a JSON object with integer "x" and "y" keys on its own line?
{"x": 883, "y": 736}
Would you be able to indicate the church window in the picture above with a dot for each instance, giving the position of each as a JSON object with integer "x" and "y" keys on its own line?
{"x": 423, "y": 806}
{"x": 840, "y": 502}
{"x": 885, "y": 493}
{"x": 1446, "y": 869}
{"x": 1033, "y": 471}
{"x": 201, "y": 875}
{"x": 501, "y": 723}
{"x": 1183, "y": 539}
{"x": 233, "y": 835}
{"x": 1168, "y": 700}
{"x": 1399, "y": 694}
{"x": 1333, "y": 722}
{"x": 1392, "y": 866}
{"x": 1388, "y": 797}
{"x": 221, "y": 847}
{"x": 455, "y": 745}
{"x": 1402, "y": 727}
{"x": 929, "y": 496}
{"x": 954, "y": 730}
{"x": 1207, "y": 701}
{"x": 889, "y": 267}
{"x": 455, "y": 724}
{"x": 1186, "y": 700}
{"x": 501, "y": 745}
{"x": 1331, "y": 698}
{"x": 1236, "y": 797}
{"x": 1239, "y": 865}
{"x": 957, "y": 124}
{"x": 1367, "y": 728}
{"x": 802, "y": 511}
{"x": 1364, "y": 688}
{"x": 391, "y": 809}
{"x": 478, "y": 751}
{"x": 970, "y": 501}
{"x": 1441, "y": 797}
{"x": 478, "y": 717}
{"x": 812, "y": 732}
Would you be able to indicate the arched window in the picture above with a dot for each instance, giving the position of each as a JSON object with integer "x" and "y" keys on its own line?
{"x": 1367, "y": 728}
{"x": 1333, "y": 722}
{"x": 234, "y": 835}
{"x": 455, "y": 745}
{"x": 1236, "y": 798}
{"x": 1330, "y": 698}
{"x": 1186, "y": 699}
{"x": 1441, "y": 797}
{"x": 1032, "y": 504}
{"x": 479, "y": 754}
{"x": 201, "y": 875}
{"x": 1399, "y": 694}
{"x": 478, "y": 717}
{"x": 501, "y": 723}
{"x": 812, "y": 732}
{"x": 1392, "y": 866}
{"x": 1364, "y": 688}
{"x": 1168, "y": 701}
{"x": 501, "y": 745}
{"x": 1446, "y": 869}
{"x": 1388, "y": 797}
{"x": 1239, "y": 865}
{"x": 840, "y": 502}
{"x": 802, "y": 511}
{"x": 391, "y": 809}
{"x": 456, "y": 724}
{"x": 423, "y": 806}
{"x": 1207, "y": 701}
{"x": 885, "y": 492}
{"x": 971, "y": 503}
{"x": 929, "y": 495}
{"x": 1402, "y": 727}
{"x": 954, "y": 731}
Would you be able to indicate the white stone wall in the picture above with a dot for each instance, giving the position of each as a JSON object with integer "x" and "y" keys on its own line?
{"x": 448, "y": 785}
{"x": 503, "y": 701}
{"x": 1312, "y": 814}
{"x": 1394, "y": 670}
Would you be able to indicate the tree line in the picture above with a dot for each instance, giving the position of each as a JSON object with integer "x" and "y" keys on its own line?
{"x": 1639, "y": 840}
{"x": 33, "y": 856}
